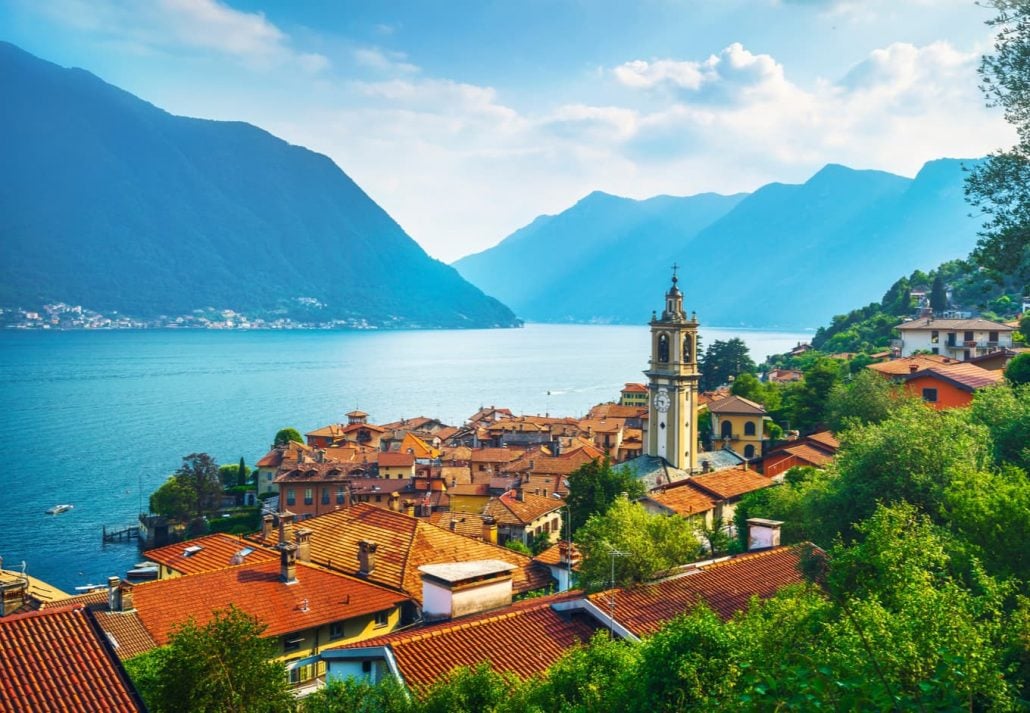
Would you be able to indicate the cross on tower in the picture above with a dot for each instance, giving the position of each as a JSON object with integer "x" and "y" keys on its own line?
{"x": 675, "y": 267}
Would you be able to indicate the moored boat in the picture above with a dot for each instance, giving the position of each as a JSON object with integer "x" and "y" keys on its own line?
{"x": 58, "y": 509}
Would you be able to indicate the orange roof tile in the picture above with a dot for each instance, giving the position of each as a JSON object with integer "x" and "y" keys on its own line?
{"x": 725, "y": 586}
{"x": 684, "y": 501}
{"x": 494, "y": 455}
{"x": 634, "y": 388}
{"x": 967, "y": 377}
{"x": 907, "y": 365}
{"x": 509, "y": 510}
{"x": 552, "y": 556}
{"x": 56, "y": 661}
{"x": 736, "y": 405}
{"x": 396, "y": 459}
{"x": 257, "y": 590}
{"x": 525, "y": 639}
{"x": 807, "y": 453}
{"x": 824, "y": 439}
{"x": 216, "y": 552}
{"x": 730, "y": 483}
{"x": 124, "y": 630}
{"x": 466, "y": 524}
{"x": 405, "y": 543}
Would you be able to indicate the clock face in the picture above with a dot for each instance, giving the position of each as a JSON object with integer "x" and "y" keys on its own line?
{"x": 662, "y": 401}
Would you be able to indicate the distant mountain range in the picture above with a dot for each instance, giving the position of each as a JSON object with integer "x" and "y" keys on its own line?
{"x": 109, "y": 202}
{"x": 789, "y": 256}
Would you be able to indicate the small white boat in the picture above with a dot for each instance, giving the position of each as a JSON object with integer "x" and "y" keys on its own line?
{"x": 87, "y": 588}
{"x": 58, "y": 509}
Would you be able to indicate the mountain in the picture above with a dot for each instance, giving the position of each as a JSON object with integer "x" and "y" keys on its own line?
{"x": 112, "y": 203}
{"x": 786, "y": 256}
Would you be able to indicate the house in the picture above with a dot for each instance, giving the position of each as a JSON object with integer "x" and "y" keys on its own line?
{"x": 950, "y": 386}
{"x": 681, "y": 500}
{"x": 784, "y": 376}
{"x": 816, "y": 450}
{"x": 997, "y": 360}
{"x": 957, "y": 338}
{"x": 739, "y": 424}
{"x": 20, "y": 592}
{"x": 269, "y": 464}
{"x": 897, "y": 368}
{"x": 387, "y": 548}
{"x": 395, "y": 466}
{"x": 522, "y": 516}
{"x": 486, "y": 463}
{"x": 206, "y": 554}
{"x": 467, "y": 524}
{"x": 727, "y": 487}
{"x": 306, "y": 608}
{"x": 471, "y": 497}
{"x": 60, "y": 660}
{"x": 528, "y": 637}
{"x": 310, "y": 489}
{"x": 112, "y": 611}
{"x": 563, "y": 559}
{"x": 633, "y": 394}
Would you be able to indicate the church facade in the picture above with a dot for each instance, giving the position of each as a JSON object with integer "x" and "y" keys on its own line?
{"x": 672, "y": 383}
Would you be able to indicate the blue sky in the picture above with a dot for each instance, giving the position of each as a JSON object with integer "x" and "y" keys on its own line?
{"x": 465, "y": 120}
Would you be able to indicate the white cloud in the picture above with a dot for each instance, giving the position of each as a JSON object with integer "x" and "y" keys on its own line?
{"x": 199, "y": 25}
{"x": 387, "y": 62}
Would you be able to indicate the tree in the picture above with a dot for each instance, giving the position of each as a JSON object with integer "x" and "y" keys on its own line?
{"x": 199, "y": 472}
{"x": 653, "y": 545}
{"x": 223, "y": 665}
{"x": 869, "y": 398}
{"x": 351, "y": 695}
{"x": 241, "y": 474}
{"x": 1000, "y": 185}
{"x": 519, "y": 546}
{"x": 285, "y": 436}
{"x": 806, "y": 401}
{"x": 723, "y": 359}
{"x": 594, "y": 486}
{"x": 938, "y": 295}
{"x": 590, "y": 679}
{"x": 540, "y": 542}
{"x": 174, "y": 499}
{"x": 1018, "y": 370}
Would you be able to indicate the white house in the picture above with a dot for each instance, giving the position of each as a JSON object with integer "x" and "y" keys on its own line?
{"x": 956, "y": 338}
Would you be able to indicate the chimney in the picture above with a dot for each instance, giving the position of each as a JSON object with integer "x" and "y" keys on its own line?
{"x": 520, "y": 495}
{"x": 489, "y": 529}
{"x": 395, "y": 501}
{"x": 302, "y": 536}
{"x": 114, "y": 594}
{"x": 366, "y": 557}
{"x": 453, "y": 524}
{"x": 763, "y": 534}
{"x": 267, "y": 523}
{"x": 913, "y": 368}
{"x": 556, "y": 447}
{"x": 409, "y": 508}
{"x": 454, "y": 589}
{"x": 564, "y": 553}
{"x": 706, "y": 466}
{"x": 285, "y": 520}
{"x": 287, "y": 562}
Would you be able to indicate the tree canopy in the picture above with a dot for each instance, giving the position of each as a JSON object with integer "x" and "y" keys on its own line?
{"x": 594, "y": 486}
{"x": 286, "y": 435}
{"x": 223, "y": 665}
{"x": 724, "y": 359}
{"x": 195, "y": 489}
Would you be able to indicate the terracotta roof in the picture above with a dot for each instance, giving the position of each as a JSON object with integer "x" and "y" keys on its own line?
{"x": 634, "y": 388}
{"x": 272, "y": 459}
{"x": 257, "y": 590}
{"x": 509, "y": 510}
{"x": 396, "y": 459}
{"x": 552, "y": 556}
{"x": 405, "y": 543}
{"x": 824, "y": 439}
{"x": 352, "y": 427}
{"x": 725, "y": 586}
{"x": 458, "y": 474}
{"x": 684, "y": 500}
{"x": 466, "y": 524}
{"x": 904, "y": 366}
{"x": 56, "y": 661}
{"x": 333, "y": 430}
{"x": 975, "y": 324}
{"x": 805, "y": 452}
{"x": 525, "y": 639}
{"x": 356, "y": 413}
{"x": 967, "y": 377}
{"x": 494, "y": 455}
{"x": 615, "y": 411}
{"x": 469, "y": 489}
{"x": 216, "y": 552}
{"x": 736, "y": 404}
{"x": 330, "y": 472}
{"x": 730, "y": 483}
{"x": 125, "y": 631}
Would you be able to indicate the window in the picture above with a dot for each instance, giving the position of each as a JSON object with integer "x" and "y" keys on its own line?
{"x": 992, "y": 336}
{"x": 749, "y": 451}
{"x": 951, "y": 339}
{"x": 268, "y": 475}
{"x": 292, "y": 642}
{"x": 382, "y": 619}
{"x": 726, "y": 430}
{"x": 663, "y": 348}
{"x": 930, "y": 395}
{"x": 325, "y": 496}
{"x": 749, "y": 428}
{"x": 309, "y": 496}
{"x": 968, "y": 336}
{"x": 935, "y": 337}
{"x": 291, "y": 497}
{"x": 339, "y": 495}
{"x": 936, "y": 350}
{"x": 686, "y": 348}
{"x": 336, "y": 630}
{"x": 366, "y": 667}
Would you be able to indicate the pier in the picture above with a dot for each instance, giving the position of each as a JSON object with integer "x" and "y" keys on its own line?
{"x": 123, "y": 534}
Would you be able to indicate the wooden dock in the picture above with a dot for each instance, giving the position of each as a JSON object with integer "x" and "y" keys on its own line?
{"x": 124, "y": 534}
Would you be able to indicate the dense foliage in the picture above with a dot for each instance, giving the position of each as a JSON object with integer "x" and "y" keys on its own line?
{"x": 285, "y": 436}
{"x": 723, "y": 361}
{"x": 195, "y": 489}
{"x": 224, "y": 665}
{"x": 594, "y": 486}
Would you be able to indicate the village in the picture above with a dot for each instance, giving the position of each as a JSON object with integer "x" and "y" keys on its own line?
{"x": 403, "y": 550}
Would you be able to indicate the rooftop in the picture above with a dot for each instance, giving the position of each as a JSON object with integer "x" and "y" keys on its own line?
{"x": 975, "y": 324}
{"x": 736, "y": 405}
{"x": 509, "y": 510}
{"x": 725, "y": 484}
{"x": 683, "y": 500}
{"x": 215, "y": 552}
{"x": 967, "y": 377}
{"x": 455, "y": 572}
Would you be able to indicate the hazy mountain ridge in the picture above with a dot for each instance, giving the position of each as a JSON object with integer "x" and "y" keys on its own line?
{"x": 110, "y": 202}
{"x": 787, "y": 255}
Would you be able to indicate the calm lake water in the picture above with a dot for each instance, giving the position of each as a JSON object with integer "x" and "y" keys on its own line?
{"x": 100, "y": 419}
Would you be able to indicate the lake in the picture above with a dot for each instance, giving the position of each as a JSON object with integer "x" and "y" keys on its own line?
{"x": 100, "y": 419}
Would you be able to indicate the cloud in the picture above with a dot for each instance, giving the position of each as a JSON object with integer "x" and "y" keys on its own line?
{"x": 382, "y": 61}
{"x": 207, "y": 26}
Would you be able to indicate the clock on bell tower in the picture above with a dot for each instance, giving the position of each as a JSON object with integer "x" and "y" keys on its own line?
{"x": 672, "y": 383}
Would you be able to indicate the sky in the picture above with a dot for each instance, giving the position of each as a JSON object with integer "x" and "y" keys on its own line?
{"x": 466, "y": 120}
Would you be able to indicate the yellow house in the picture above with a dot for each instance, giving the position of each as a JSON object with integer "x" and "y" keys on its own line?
{"x": 738, "y": 424}
{"x": 307, "y": 608}
{"x": 396, "y": 466}
{"x": 633, "y": 394}
{"x": 469, "y": 497}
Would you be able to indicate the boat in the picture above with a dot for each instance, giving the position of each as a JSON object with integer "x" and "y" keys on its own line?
{"x": 87, "y": 588}
{"x": 143, "y": 571}
{"x": 58, "y": 509}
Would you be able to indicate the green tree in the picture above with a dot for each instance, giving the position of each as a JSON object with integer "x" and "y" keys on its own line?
{"x": 806, "y": 401}
{"x": 242, "y": 473}
{"x": 713, "y": 536}
{"x": 287, "y": 435}
{"x": 938, "y": 295}
{"x": 474, "y": 690}
{"x": 1000, "y": 185}
{"x": 174, "y": 500}
{"x": 590, "y": 679}
{"x": 724, "y": 359}
{"x": 223, "y": 665}
{"x": 1018, "y": 370}
{"x": 653, "y": 545}
{"x": 594, "y": 486}
{"x": 540, "y": 542}
{"x": 519, "y": 546}
{"x": 351, "y": 695}
{"x": 868, "y": 398}
{"x": 199, "y": 472}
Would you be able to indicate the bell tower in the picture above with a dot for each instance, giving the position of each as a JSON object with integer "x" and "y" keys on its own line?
{"x": 672, "y": 383}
